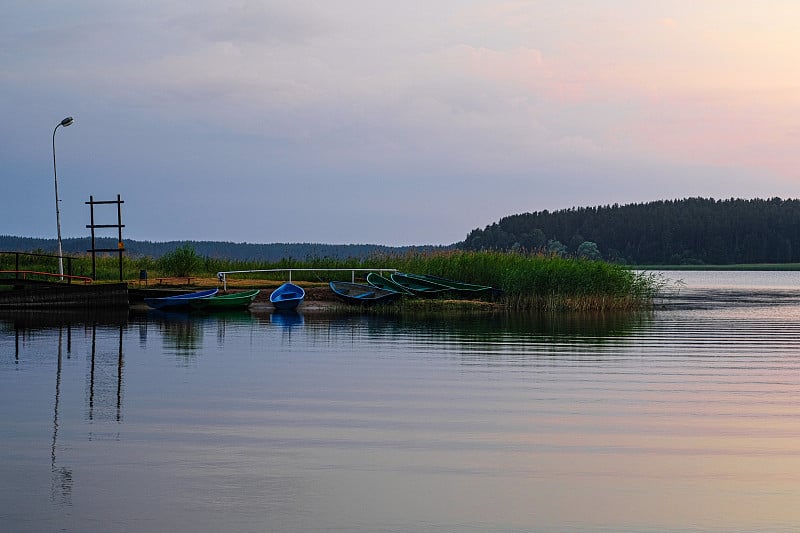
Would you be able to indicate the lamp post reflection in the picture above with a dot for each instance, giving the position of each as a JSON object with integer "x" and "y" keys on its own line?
{"x": 61, "y": 487}
{"x": 29, "y": 327}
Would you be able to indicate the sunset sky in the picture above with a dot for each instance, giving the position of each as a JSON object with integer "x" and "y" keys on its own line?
{"x": 343, "y": 121}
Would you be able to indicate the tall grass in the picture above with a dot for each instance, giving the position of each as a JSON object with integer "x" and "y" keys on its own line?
{"x": 542, "y": 281}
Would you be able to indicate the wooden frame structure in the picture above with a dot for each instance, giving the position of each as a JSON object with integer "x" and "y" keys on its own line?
{"x": 119, "y": 225}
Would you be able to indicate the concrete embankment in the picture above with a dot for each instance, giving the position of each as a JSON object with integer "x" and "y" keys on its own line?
{"x": 64, "y": 296}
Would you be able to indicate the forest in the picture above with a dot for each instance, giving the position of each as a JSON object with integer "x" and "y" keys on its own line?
{"x": 690, "y": 231}
{"x": 234, "y": 251}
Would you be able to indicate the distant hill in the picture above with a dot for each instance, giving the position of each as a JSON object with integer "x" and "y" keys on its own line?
{"x": 688, "y": 231}
{"x": 226, "y": 250}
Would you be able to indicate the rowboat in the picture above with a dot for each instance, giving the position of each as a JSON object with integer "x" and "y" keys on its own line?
{"x": 362, "y": 294}
{"x": 180, "y": 301}
{"x": 382, "y": 282}
{"x": 458, "y": 287}
{"x": 287, "y": 296}
{"x": 235, "y": 300}
{"x": 420, "y": 287}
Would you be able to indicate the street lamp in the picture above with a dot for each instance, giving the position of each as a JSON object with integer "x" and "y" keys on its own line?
{"x": 66, "y": 122}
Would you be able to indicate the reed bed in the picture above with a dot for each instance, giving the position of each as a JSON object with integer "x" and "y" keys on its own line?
{"x": 545, "y": 282}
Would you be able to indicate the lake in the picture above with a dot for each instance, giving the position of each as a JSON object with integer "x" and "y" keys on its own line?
{"x": 686, "y": 418}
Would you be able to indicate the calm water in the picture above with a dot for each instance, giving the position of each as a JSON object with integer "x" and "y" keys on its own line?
{"x": 684, "y": 419}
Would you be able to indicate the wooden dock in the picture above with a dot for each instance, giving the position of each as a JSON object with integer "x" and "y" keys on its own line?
{"x": 44, "y": 295}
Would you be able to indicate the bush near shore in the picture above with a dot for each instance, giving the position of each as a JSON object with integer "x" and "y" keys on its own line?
{"x": 540, "y": 282}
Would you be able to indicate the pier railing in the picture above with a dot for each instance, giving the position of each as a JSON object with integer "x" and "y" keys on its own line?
{"x": 47, "y": 275}
{"x": 23, "y": 273}
{"x": 223, "y": 276}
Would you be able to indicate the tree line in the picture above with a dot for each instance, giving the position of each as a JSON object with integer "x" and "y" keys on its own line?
{"x": 214, "y": 249}
{"x": 686, "y": 231}
{"x": 667, "y": 232}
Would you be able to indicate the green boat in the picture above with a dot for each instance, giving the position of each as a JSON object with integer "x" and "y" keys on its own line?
{"x": 458, "y": 286}
{"x": 376, "y": 280}
{"x": 420, "y": 287}
{"x": 235, "y": 300}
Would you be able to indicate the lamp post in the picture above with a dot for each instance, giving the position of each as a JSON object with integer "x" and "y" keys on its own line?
{"x": 66, "y": 122}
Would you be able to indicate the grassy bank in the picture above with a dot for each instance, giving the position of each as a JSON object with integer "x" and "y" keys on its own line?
{"x": 528, "y": 281}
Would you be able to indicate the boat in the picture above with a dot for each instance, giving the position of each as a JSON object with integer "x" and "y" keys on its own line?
{"x": 234, "y": 300}
{"x": 382, "y": 282}
{"x": 459, "y": 287}
{"x": 419, "y": 287}
{"x": 361, "y": 293}
{"x": 287, "y": 296}
{"x": 180, "y": 301}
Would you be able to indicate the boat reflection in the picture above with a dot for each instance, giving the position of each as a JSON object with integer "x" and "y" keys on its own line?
{"x": 286, "y": 318}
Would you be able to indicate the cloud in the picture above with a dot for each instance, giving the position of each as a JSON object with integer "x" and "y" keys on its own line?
{"x": 265, "y": 23}
{"x": 541, "y": 101}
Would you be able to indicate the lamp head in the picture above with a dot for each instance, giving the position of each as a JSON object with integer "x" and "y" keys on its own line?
{"x": 67, "y": 121}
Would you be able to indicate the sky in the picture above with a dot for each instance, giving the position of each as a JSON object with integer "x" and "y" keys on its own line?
{"x": 386, "y": 122}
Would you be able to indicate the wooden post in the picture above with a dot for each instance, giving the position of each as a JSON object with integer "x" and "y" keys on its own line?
{"x": 91, "y": 221}
{"x": 120, "y": 246}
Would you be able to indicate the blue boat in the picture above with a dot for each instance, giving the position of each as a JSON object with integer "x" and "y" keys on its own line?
{"x": 180, "y": 301}
{"x": 287, "y": 296}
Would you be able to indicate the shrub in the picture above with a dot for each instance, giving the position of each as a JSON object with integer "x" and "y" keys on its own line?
{"x": 182, "y": 261}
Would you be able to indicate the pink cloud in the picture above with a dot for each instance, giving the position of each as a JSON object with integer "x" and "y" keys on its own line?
{"x": 756, "y": 131}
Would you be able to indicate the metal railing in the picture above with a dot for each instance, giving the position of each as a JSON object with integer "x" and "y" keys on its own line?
{"x": 25, "y": 273}
{"x": 223, "y": 276}
{"x": 17, "y": 271}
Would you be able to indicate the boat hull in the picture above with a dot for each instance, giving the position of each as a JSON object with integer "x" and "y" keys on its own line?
{"x": 420, "y": 287}
{"x": 382, "y": 282}
{"x": 181, "y": 301}
{"x": 238, "y": 300}
{"x": 287, "y": 296}
{"x": 458, "y": 287}
{"x": 362, "y": 294}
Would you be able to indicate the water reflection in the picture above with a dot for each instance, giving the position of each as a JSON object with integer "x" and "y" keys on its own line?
{"x": 499, "y": 329}
{"x": 182, "y": 333}
{"x": 37, "y": 335}
{"x": 105, "y": 380}
{"x": 689, "y": 290}
{"x": 311, "y": 422}
{"x": 552, "y": 326}
{"x": 61, "y": 476}
{"x": 36, "y": 319}
{"x": 286, "y": 318}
